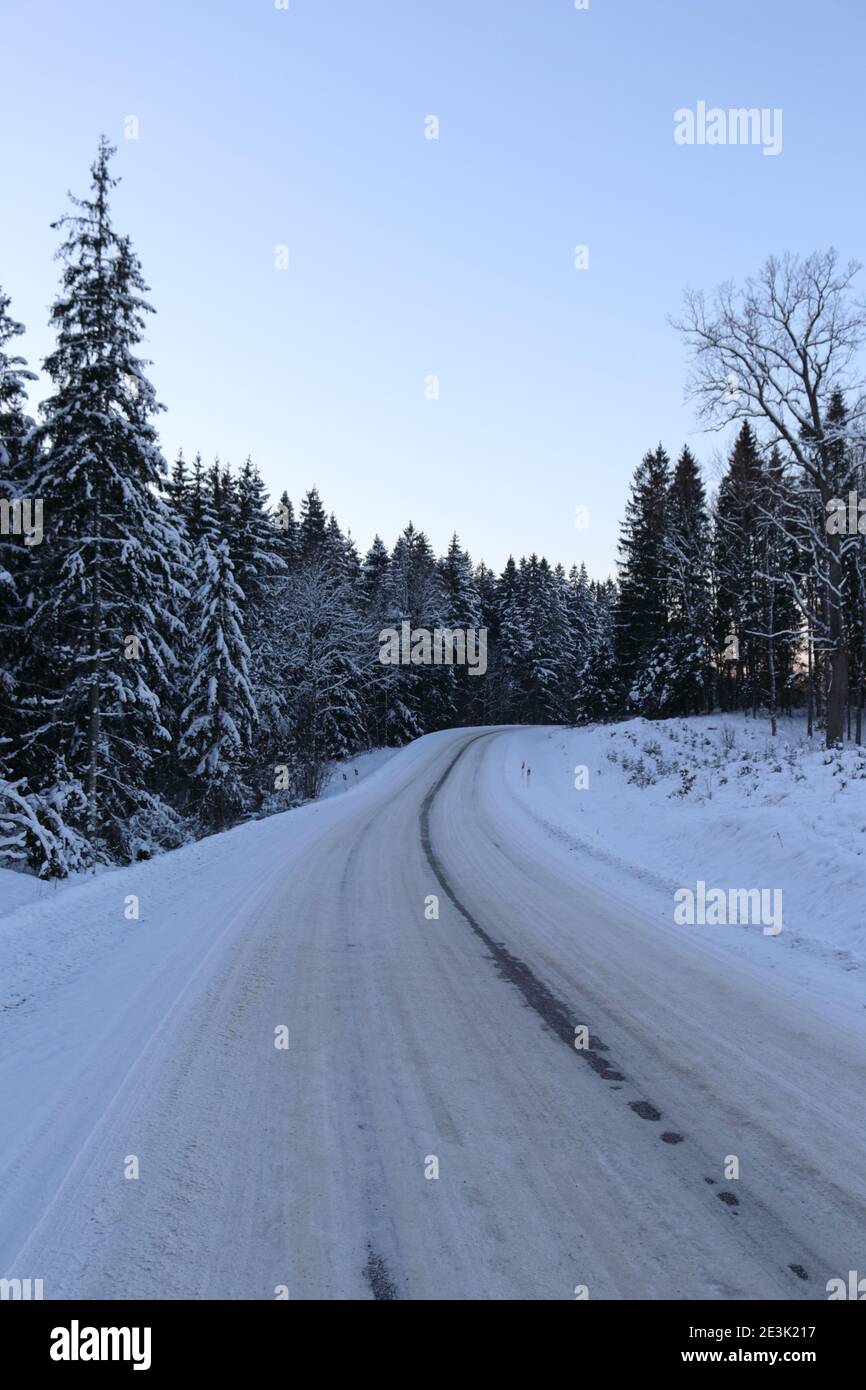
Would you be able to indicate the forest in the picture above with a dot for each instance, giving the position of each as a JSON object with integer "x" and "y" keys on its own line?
{"x": 180, "y": 652}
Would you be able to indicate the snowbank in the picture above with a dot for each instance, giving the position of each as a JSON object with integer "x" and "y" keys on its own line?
{"x": 717, "y": 798}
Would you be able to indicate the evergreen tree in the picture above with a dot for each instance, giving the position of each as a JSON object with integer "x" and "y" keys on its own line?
{"x": 462, "y": 602}
{"x": 737, "y": 568}
{"x": 197, "y": 507}
{"x": 687, "y": 563}
{"x": 326, "y": 673}
{"x": 600, "y": 692}
{"x": 14, "y": 422}
{"x": 15, "y": 464}
{"x": 288, "y": 536}
{"x": 104, "y": 610}
{"x": 462, "y": 610}
{"x": 642, "y": 618}
{"x": 513, "y": 644}
{"x": 421, "y": 698}
{"x": 372, "y": 600}
{"x": 177, "y": 487}
{"x": 218, "y": 721}
{"x": 313, "y": 527}
{"x": 547, "y": 668}
{"x": 255, "y": 543}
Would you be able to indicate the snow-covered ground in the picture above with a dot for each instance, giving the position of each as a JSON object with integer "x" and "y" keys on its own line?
{"x": 345, "y": 775}
{"x": 450, "y": 1036}
{"x": 761, "y": 812}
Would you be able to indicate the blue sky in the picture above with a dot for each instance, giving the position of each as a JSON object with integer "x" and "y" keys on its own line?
{"x": 262, "y": 127}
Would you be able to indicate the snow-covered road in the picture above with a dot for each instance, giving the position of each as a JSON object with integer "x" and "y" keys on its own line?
{"x": 418, "y": 1045}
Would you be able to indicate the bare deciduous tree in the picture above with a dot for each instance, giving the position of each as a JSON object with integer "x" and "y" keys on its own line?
{"x": 775, "y": 351}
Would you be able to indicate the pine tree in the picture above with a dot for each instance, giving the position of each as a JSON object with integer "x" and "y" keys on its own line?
{"x": 462, "y": 611}
{"x": 15, "y": 463}
{"x": 462, "y": 602}
{"x": 177, "y": 487}
{"x": 313, "y": 527}
{"x": 373, "y": 579}
{"x": 326, "y": 673}
{"x": 549, "y": 670}
{"x": 14, "y": 422}
{"x": 371, "y": 591}
{"x": 255, "y": 543}
{"x": 513, "y": 644}
{"x": 422, "y": 697}
{"x": 687, "y": 564}
{"x": 288, "y": 537}
{"x": 104, "y": 610}
{"x": 218, "y": 721}
{"x": 642, "y": 618}
{"x": 737, "y": 568}
{"x": 197, "y": 507}
{"x": 600, "y": 692}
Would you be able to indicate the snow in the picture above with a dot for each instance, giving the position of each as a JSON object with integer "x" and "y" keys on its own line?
{"x": 18, "y": 889}
{"x": 342, "y": 775}
{"x": 153, "y": 1037}
{"x": 763, "y": 812}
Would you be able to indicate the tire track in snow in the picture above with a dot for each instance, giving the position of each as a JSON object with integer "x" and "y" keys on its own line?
{"x": 557, "y": 1017}
{"x": 554, "y": 1013}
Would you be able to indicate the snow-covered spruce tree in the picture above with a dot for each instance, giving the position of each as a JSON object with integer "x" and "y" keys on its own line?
{"x": 313, "y": 526}
{"x": 462, "y": 610}
{"x": 580, "y": 609}
{"x": 15, "y": 424}
{"x": 371, "y": 598}
{"x": 600, "y": 692}
{"x": 193, "y": 502}
{"x": 270, "y": 662}
{"x": 288, "y": 538}
{"x": 15, "y": 465}
{"x": 218, "y": 720}
{"x": 642, "y": 617}
{"x": 220, "y": 502}
{"x": 105, "y": 596}
{"x": 177, "y": 485}
{"x": 259, "y": 567}
{"x": 327, "y": 673}
{"x": 688, "y": 555}
{"x": 512, "y": 645}
{"x": 487, "y": 699}
{"x": 35, "y": 828}
{"x": 255, "y": 544}
{"x": 421, "y": 696}
{"x": 737, "y": 568}
{"x": 548, "y": 660}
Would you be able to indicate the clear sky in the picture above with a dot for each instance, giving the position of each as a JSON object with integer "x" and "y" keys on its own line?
{"x": 304, "y": 127}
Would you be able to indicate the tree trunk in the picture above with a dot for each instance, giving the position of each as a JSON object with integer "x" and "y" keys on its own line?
{"x": 837, "y": 663}
{"x": 94, "y": 727}
{"x": 810, "y": 718}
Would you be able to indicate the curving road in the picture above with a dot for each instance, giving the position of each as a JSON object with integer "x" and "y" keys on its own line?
{"x": 431, "y": 1131}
